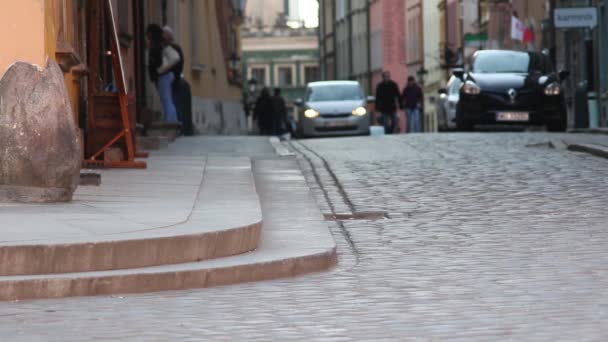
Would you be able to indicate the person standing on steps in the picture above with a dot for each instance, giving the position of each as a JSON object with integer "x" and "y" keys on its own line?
{"x": 411, "y": 100}
{"x": 387, "y": 99}
{"x": 178, "y": 68}
{"x": 182, "y": 96}
{"x": 162, "y": 58}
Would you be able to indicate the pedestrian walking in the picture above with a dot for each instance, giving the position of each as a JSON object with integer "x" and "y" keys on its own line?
{"x": 162, "y": 58}
{"x": 411, "y": 100}
{"x": 279, "y": 113}
{"x": 264, "y": 112}
{"x": 387, "y": 100}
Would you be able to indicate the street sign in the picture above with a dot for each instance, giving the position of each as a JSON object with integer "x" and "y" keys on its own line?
{"x": 479, "y": 37}
{"x": 576, "y": 17}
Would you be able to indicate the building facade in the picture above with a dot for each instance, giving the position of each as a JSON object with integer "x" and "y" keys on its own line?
{"x": 286, "y": 59}
{"x": 327, "y": 40}
{"x": 76, "y": 36}
{"x": 433, "y": 75}
{"x": 603, "y": 60}
{"x": 344, "y": 37}
{"x": 279, "y": 51}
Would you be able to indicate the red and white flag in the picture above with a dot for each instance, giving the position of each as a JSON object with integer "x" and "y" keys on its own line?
{"x": 529, "y": 35}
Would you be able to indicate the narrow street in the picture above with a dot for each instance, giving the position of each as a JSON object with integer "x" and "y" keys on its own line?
{"x": 467, "y": 237}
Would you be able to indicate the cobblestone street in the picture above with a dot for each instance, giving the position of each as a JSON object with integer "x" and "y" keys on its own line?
{"x": 484, "y": 238}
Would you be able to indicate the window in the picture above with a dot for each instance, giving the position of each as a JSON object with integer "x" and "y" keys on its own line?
{"x": 414, "y": 34}
{"x": 259, "y": 74}
{"x": 285, "y": 76}
{"x": 325, "y": 93}
{"x": 311, "y": 74}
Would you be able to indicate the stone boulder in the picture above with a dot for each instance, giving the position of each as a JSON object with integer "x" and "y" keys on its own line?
{"x": 40, "y": 152}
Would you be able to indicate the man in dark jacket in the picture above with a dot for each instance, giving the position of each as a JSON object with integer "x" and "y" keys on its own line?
{"x": 264, "y": 112}
{"x": 412, "y": 103}
{"x": 387, "y": 98}
{"x": 280, "y": 112}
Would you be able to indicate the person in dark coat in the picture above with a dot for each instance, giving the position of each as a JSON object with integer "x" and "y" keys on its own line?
{"x": 264, "y": 112}
{"x": 280, "y": 112}
{"x": 411, "y": 100}
{"x": 387, "y": 100}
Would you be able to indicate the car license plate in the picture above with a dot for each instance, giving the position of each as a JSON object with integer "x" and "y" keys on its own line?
{"x": 513, "y": 116}
{"x": 337, "y": 124}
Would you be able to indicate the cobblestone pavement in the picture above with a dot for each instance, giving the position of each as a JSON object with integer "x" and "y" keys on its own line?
{"x": 486, "y": 239}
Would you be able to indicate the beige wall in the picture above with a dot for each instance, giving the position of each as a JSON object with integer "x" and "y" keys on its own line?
{"x": 22, "y": 21}
{"x": 212, "y": 80}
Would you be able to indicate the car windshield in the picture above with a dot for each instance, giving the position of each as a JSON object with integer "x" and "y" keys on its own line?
{"x": 334, "y": 93}
{"x": 511, "y": 62}
{"x": 455, "y": 86}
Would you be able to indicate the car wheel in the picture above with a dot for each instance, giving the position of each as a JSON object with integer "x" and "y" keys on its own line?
{"x": 462, "y": 124}
{"x": 560, "y": 125}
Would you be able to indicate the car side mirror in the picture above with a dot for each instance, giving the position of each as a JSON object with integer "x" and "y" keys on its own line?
{"x": 459, "y": 74}
{"x": 442, "y": 91}
{"x": 371, "y": 99}
{"x": 563, "y": 74}
{"x": 298, "y": 102}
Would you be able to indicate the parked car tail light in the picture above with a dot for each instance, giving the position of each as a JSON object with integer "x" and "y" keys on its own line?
{"x": 471, "y": 88}
{"x": 359, "y": 111}
{"x": 311, "y": 113}
{"x": 553, "y": 89}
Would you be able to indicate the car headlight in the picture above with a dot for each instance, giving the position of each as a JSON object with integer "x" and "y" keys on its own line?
{"x": 359, "y": 111}
{"x": 553, "y": 89}
{"x": 311, "y": 113}
{"x": 471, "y": 88}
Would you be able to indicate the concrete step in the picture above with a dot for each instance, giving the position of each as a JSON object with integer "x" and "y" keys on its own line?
{"x": 149, "y": 143}
{"x": 168, "y": 214}
{"x": 295, "y": 241}
{"x": 163, "y": 129}
{"x": 593, "y": 149}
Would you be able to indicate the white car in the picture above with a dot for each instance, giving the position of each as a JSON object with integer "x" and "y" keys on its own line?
{"x": 447, "y": 103}
{"x": 333, "y": 108}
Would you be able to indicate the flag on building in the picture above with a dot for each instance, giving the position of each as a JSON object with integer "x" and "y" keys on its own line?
{"x": 518, "y": 29}
{"x": 529, "y": 36}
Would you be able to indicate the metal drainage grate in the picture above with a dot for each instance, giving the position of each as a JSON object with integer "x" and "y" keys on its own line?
{"x": 363, "y": 216}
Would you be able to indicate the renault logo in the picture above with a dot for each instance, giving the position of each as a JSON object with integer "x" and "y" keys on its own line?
{"x": 512, "y": 94}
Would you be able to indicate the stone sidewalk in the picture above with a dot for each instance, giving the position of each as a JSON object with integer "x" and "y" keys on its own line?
{"x": 192, "y": 219}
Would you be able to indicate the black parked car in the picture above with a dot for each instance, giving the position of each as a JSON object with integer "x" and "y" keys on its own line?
{"x": 511, "y": 87}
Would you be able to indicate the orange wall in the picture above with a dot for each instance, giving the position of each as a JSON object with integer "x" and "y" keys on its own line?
{"x": 22, "y": 21}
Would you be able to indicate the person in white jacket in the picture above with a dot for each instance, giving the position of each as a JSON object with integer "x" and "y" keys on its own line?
{"x": 162, "y": 57}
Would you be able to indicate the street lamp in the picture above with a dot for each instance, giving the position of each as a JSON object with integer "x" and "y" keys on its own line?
{"x": 252, "y": 83}
{"x": 235, "y": 64}
{"x": 421, "y": 73}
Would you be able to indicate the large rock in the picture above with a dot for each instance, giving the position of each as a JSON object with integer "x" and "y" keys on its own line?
{"x": 39, "y": 141}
